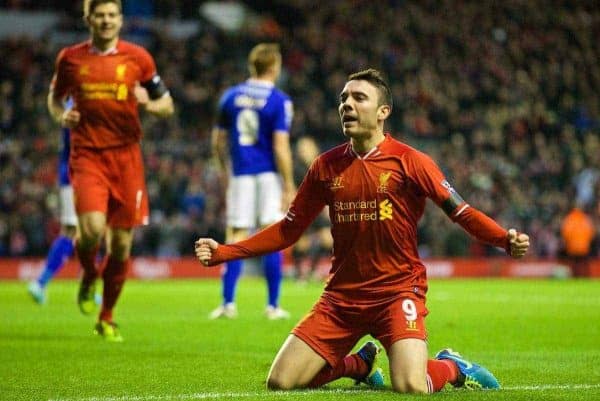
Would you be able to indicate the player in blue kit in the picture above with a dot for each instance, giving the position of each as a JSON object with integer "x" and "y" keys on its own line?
{"x": 62, "y": 248}
{"x": 251, "y": 143}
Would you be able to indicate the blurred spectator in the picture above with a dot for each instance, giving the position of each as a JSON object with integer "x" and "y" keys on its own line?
{"x": 577, "y": 232}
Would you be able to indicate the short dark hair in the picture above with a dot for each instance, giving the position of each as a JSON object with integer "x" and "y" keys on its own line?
{"x": 375, "y": 78}
{"x": 90, "y": 5}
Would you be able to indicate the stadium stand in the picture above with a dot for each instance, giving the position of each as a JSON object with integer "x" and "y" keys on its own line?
{"x": 504, "y": 95}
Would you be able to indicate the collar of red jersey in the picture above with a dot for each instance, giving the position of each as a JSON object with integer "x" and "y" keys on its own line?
{"x": 95, "y": 50}
{"x": 375, "y": 151}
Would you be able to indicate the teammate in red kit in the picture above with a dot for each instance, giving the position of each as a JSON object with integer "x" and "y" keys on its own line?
{"x": 376, "y": 189}
{"x": 107, "y": 78}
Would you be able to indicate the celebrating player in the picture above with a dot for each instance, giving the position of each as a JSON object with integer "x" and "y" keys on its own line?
{"x": 376, "y": 189}
{"x": 103, "y": 76}
{"x": 251, "y": 143}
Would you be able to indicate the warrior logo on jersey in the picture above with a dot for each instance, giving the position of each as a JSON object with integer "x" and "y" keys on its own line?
{"x": 120, "y": 72}
{"x": 84, "y": 70}
{"x": 336, "y": 183}
{"x": 411, "y": 325}
{"x": 385, "y": 210}
{"x": 383, "y": 180}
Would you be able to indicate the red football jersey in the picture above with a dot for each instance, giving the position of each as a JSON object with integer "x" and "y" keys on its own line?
{"x": 375, "y": 202}
{"x": 101, "y": 86}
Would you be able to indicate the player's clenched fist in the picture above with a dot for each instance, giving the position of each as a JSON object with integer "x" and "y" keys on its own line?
{"x": 70, "y": 118}
{"x": 204, "y": 248}
{"x": 519, "y": 243}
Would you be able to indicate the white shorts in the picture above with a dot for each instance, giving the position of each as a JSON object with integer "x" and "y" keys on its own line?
{"x": 254, "y": 200}
{"x": 68, "y": 217}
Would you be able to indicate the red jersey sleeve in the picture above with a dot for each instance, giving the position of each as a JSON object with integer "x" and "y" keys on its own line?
{"x": 307, "y": 205}
{"x": 146, "y": 64}
{"x": 60, "y": 84}
{"x": 428, "y": 177}
{"x": 484, "y": 228}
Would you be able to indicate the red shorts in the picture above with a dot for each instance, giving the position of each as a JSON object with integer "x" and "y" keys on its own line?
{"x": 110, "y": 181}
{"x": 332, "y": 330}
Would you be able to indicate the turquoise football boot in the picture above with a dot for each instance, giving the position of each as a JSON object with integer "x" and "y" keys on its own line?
{"x": 471, "y": 375}
{"x": 37, "y": 292}
{"x": 368, "y": 353}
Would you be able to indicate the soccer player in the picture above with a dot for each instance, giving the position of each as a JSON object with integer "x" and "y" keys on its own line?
{"x": 251, "y": 144}
{"x": 107, "y": 78}
{"x": 376, "y": 189}
{"x": 62, "y": 247}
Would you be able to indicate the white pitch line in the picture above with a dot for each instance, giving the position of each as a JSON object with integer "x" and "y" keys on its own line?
{"x": 283, "y": 394}
{"x": 547, "y": 387}
{"x": 204, "y": 396}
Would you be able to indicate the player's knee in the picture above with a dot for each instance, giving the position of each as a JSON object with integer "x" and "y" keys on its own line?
{"x": 120, "y": 251}
{"x": 89, "y": 239}
{"x": 277, "y": 382}
{"x": 119, "y": 244}
{"x": 410, "y": 385}
{"x": 411, "y": 388}
{"x": 279, "y": 379}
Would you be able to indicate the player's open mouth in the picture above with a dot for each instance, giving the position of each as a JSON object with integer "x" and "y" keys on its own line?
{"x": 347, "y": 120}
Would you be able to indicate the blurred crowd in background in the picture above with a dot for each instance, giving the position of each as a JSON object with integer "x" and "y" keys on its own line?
{"x": 505, "y": 96}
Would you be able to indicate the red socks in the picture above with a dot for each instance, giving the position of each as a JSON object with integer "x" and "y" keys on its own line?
{"x": 115, "y": 272}
{"x": 440, "y": 372}
{"x": 352, "y": 366}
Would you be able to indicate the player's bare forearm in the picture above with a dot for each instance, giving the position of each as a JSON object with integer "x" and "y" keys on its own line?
{"x": 283, "y": 159}
{"x": 284, "y": 167}
{"x": 55, "y": 107}
{"x": 220, "y": 148}
{"x": 162, "y": 107}
{"x": 68, "y": 118}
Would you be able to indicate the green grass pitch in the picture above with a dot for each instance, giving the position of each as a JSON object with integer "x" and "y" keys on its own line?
{"x": 540, "y": 338}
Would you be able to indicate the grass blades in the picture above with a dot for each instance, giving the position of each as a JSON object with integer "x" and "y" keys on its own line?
{"x": 540, "y": 338}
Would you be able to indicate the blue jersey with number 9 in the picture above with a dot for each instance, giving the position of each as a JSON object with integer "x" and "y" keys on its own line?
{"x": 251, "y": 112}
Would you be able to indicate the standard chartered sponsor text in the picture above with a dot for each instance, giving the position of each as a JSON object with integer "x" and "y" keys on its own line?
{"x": 354, "y": 216}
{"x": 351, "y": 205}
{"x": 104, "y": 90}
{"x": 99, "y": 86}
